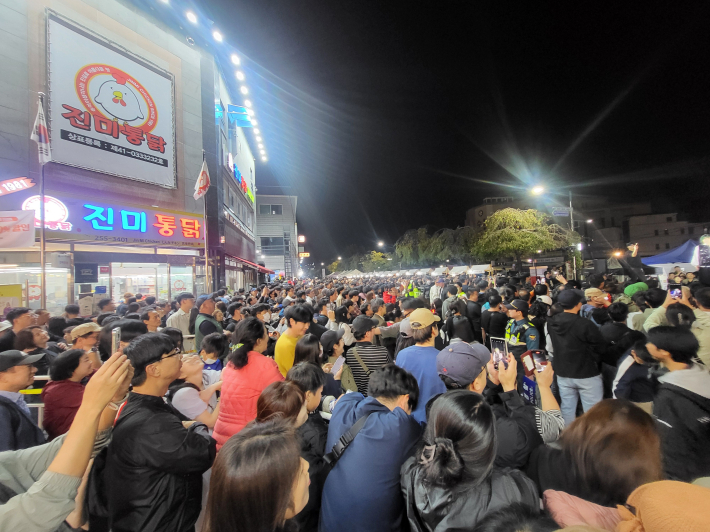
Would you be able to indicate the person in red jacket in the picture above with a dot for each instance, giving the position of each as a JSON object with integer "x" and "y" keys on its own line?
{"x": 244, "y": 377}
{"x": 62, "y": 395}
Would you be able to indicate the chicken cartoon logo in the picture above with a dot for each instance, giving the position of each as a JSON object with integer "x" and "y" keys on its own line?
{"x": 118, "y": 99}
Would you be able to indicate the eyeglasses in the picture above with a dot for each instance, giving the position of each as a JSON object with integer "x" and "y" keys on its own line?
{"x": 173, "y": 353}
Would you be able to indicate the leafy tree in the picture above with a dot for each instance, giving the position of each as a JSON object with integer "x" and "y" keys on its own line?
{"x": 375, "y": 261}
{"x": 515, "y": 232}
{"x": 335, "y": 266}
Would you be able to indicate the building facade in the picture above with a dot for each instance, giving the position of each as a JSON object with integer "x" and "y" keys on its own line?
{"x": 657, "y": 233}
{"x": 277, "y": 233}
{"x": 131, "y": 114}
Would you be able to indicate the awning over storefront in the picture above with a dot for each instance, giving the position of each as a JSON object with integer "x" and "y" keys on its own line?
{"x": 265, "y": 270}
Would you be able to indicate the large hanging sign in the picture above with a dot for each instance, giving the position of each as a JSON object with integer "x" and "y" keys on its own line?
{"x": 110, "y": 111}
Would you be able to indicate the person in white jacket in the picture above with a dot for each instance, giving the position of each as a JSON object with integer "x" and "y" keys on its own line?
{"x": 338, "y": 319}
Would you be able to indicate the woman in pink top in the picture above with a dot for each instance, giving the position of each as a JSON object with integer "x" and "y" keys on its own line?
{"x": 244, "y": 377}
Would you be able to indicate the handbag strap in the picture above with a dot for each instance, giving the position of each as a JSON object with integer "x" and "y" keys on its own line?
{"x": 360, "y": 361}
{"x": 345, "y": 440}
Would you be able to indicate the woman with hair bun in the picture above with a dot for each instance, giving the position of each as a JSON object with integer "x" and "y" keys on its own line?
{"x": 450, "y": 483}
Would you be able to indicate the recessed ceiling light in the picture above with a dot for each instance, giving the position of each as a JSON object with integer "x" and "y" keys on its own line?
{"x": 235, "y": 59}
{"x": 191, "y": 17}
{"x": 217, "y": 36}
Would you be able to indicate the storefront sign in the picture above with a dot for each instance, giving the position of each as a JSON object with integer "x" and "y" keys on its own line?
{"x": 70, "y": 219}
{"x": 86, "y": 273}
{"x": 10, "y": 297}
{"x": 16, "y": 229}
{"x": 304, "y": 255}
{"x": 15, "y": 185}
{"x": 110, "y": 111}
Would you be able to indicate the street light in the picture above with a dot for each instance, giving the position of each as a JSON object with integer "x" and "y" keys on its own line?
{"x": 380, "y": 243}
{"x": 538, "y": 190}
{"x": 590, "y": 221}
{"x": 340, "y": 258}
{"x": 322, "y": 263}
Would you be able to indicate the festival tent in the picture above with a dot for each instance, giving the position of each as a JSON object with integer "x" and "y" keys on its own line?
{"x": 679, "y": 256}
{"x": 458, "y": 270}
{"x": 439, "y": 271}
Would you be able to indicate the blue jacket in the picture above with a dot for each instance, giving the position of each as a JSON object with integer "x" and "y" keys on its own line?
{"x": 17, "y": 429}
{"x": 362, "y": 493}
{"x": 421, "y": 362}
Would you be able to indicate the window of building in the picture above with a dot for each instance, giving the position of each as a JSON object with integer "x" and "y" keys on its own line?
{"x": 276, "y": 210}
{"x": 658, "y": 246}
{"x": 669, "y": 218}
{"x": 682, "y": 231}
{"x": 655, "y": 232}
{"x": 665, "y": 231}
{"x": 691, "y": 230}
{"x": 264, "y": 209}
{"x": 272, "y": 245}
{"x": 668, "y": 246}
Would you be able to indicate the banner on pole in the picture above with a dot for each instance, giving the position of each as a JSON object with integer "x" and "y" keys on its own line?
{"x": 41, "y": 136}
{"x": 203, "y": 182}
{"x": 17, "y": 229}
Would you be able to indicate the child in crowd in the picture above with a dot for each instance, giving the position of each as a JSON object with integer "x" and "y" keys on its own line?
{"x": 212, "y": 349}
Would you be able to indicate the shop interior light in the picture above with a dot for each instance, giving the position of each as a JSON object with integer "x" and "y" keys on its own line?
{"x": 247, "y": 103}
{"x": 8, "y": 265}
{"x": 235, "y": 59}
{"x": 244, "y": 90}
{"x": 217, "y": 36}
{"x": 240, "y": 75}
{"x": 191, "y": 17}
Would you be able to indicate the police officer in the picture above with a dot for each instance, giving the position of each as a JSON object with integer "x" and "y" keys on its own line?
{"x": 520, "y": 334}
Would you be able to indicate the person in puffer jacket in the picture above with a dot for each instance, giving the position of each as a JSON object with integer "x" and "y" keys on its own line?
{"x": 451, "y": 482}
{"x": 682, "y": 405}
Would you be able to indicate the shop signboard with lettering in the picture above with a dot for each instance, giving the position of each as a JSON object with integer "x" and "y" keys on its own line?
{"x": 110, "y": 110}
{"x": 71, "y": 219}
{"x": 16, "y": 229}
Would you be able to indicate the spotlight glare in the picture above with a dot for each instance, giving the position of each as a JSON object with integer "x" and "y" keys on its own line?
{"x": 253, "y": 121}
{"x": 256, "y": 131}
{"x": 261, "y": 146}
{"x": 191, "y": 17}
{"x": 247, "y": 103}
{"x": 244, "y": 89}
{"x": 235, "y": 59}
{"x": 217, "y": 36}
{"x": 258, "y": 139}
{"x": 240, "y": 75}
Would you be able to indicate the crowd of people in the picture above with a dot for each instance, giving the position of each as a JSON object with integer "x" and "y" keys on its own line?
{"x": 473, "y": 402}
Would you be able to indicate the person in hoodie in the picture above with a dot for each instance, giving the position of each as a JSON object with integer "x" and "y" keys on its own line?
{"x": 579, "y": 348}
{"x": 451, "y": 482}
{"x": 682, "y": 404}
{"x": 362, "y": 492}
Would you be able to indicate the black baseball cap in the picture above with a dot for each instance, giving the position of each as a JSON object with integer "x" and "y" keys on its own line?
{"x": 517, "y": 304}
{"x": 363, "y": 324}
{"x": 569, "y": 298}
{"x": 330, "y": 338}
{"x": 13, "y": 357}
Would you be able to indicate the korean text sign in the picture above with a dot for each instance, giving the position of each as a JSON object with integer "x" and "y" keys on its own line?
{"x": 109, "y": 111}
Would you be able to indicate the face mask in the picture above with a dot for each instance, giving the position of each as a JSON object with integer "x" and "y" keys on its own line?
{"x": 267, "y": 317}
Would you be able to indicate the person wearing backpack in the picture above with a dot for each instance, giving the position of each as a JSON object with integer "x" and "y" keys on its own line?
{"x": 362, "y": 491}
{"x": 364, "y": 357}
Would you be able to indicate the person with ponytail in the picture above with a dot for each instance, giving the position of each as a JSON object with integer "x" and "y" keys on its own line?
{"x": 451, "y": 482}
{"x": 247, "y": 373}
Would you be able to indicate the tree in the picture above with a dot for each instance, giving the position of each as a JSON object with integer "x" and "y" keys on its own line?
{"x": 515, "y": 232}
{"x": 375, "y": 261}
{"x": 334, "y": 266}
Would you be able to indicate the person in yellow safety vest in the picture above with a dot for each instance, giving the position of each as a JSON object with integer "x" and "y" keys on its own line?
{"x": 413, "y": 290}
{"x": 520, "y": 334}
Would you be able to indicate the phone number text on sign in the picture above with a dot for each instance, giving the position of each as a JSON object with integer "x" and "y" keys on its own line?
{"x": 109, "y": 146}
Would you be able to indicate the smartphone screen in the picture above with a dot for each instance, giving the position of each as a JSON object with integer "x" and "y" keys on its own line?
{"x": 528, "y": 364}
{"x": 499, "y": 351}
{"x": 337, "y": 365}
{"x": 540, "y": 359}
{"x": 675, "y": 290}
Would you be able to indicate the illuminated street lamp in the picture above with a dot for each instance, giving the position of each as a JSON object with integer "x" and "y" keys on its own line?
{"x": 380, "y": 243}
{"x": 538, "y": 190}
{"x": 590, "y": 221}
{"x": 340, "y": 258}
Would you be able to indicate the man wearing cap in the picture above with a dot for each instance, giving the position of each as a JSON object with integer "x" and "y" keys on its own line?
{"x": 435, "y": 292}
{"x": 520, "y": 333}
{"x": 17, "y": 430}
{"x": 85, "y": 337}
{"x": 579, "y": 348}
{"x": 420, "y": 359}
{"x": 205, "y": 323}
{"x": 520, "y": 427}
{"x": 364, "y": 357}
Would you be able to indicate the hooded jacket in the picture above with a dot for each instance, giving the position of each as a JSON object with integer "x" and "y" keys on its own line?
{"x": 578, "y": 345}
{"x": 153, "y": 469}
{"x": 432, "y": 508}
{"x": 682, "y": 411}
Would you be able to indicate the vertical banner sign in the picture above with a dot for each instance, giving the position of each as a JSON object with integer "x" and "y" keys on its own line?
{"x": 110, "y": 111}
{"x": 17, "y": 229}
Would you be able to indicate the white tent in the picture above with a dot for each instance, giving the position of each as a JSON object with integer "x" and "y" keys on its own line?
{"x": 439, "y": 271}
{"x": 458, "y": 270}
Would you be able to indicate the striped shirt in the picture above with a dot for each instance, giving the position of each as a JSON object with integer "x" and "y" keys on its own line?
{"x": 373, "y": 356}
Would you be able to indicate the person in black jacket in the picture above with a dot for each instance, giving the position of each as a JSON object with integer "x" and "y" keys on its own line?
{"x": 473, "y": 312}
{"x": 457, "y": 325}
{"x": 682, "y": 405}
{"x": 579, "y": 349}
{"x": 154, "y": 464}
{"x": 463, "y": 366}
{"x": 313, "y": 435}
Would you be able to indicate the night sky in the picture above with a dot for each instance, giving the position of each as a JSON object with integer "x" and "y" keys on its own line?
{"x": 386, "y": 116}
